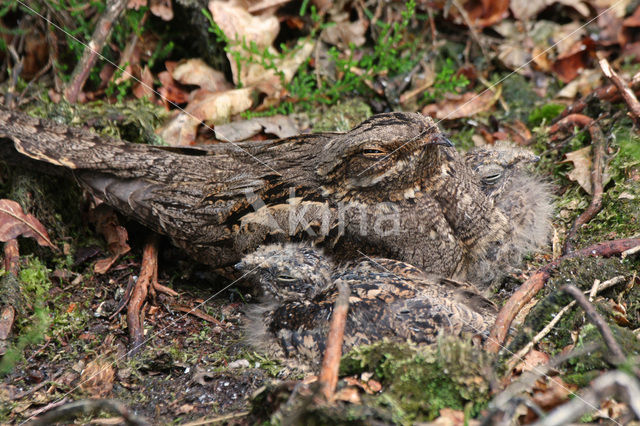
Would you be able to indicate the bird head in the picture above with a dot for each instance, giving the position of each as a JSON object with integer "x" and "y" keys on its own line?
{"x": 495, "y": 166}
{"x": 292, "y": 271}
{"x": 388, "y": 153}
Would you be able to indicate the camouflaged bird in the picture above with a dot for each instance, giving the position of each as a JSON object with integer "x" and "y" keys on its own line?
{"x": 393, "y": 187}
{"x": 525, "y": 199}
{"x": 389, "y": 299}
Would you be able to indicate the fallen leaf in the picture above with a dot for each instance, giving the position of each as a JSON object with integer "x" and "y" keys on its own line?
{"x": 219, "y": 106}
{"x": 552, "y": 392}
{"x": 484, "y": 13}
{"x": 345, "y": 32}
{"x": 169, "y": 90}
{"x": 145, "y": 86}
{"x": 465, "y": 105}
{"x": 581, "y": 172}
{"x": 136, "y": 4}
{"x": 180, "y": 131}
{"x": 281, "y": 126}
{"x": 451, "y": 417}
{"x": 348, "y": 394}
{"x": 106, "y": 223}
{"x": 162, "y": 9}
{"x": 97, "y": 378}
{"x": 15, "y": 223}
{"x": 241, "y": 27}
{"x": 198, "y": 73}
{"x": 571, "y": 63}
{"x": 532, "y": 360}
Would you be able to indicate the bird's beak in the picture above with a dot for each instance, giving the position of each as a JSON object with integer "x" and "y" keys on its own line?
{"x": 240, "y": 266}
{"x": 442, "y": 140}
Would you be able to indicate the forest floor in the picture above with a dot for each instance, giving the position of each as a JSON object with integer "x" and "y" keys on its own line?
{"x": 530, "y": 74}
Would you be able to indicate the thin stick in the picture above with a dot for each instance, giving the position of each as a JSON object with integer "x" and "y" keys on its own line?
{"x": 90, "y": 55}
{"x": 148, "y": 270}
{"x": 530, "y": 287}
{"x": 84, "y": 407}
{"x": 624, "y": 89}
{"x": 597, "y": 171}
{"x": 617, "y": 356}
{"x": 328, "y": 377}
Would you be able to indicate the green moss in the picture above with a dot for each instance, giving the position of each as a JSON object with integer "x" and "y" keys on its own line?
{"x": 34, "y": 286}
{"x": 134, "y": 121}
{"x": 544, "y": 114}
{"x": 342, "y": 116}
{"x": 418, "y": 383}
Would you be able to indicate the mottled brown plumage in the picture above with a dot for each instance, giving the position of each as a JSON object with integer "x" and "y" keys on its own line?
{"x": 525, "y": 199}
{"x": 390, "y": 187}
{"x": 389, "y": 299}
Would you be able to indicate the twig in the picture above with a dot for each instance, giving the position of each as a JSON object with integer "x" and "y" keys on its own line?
{"x": 148, "y": 274}
{"x": 624, "y": 89}
{"x": 472, "y": 29}
{"x": 90, "y": 54}
{"x": 219, "y": 419}
{"x": 612, "y": 384}
{"x": 597, "y": 171}
{"x": 617, "y": 356}
{"x": 197, "y": 313}
{"x": 530, "y": 287}
{"x": 328, "y": 377}
{"x": 538, "y": 337}
{"x": 88, "y": 406}
{"x": 12, "y": 257}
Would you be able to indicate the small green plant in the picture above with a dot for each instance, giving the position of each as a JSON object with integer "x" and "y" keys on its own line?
{"x": 35, "y": 285}
{"x": 446, "y": 81}
{"x": 393, "y": 53}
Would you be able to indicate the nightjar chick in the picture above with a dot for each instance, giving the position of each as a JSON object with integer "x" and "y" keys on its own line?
{"x": 524, "y": 197}
{"x": 389, "y": 299}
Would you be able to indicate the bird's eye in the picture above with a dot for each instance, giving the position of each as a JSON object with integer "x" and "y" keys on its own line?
{"x": 285, "y": 278}
{"x": 373, "y": 152}
{"x": 491, "y": 179}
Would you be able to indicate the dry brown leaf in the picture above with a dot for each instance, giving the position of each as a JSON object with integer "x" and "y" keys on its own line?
{"x": 180, "y": 131}
{"x": 571, "y": 63}
{"x": 106, "y": 223}
{"x": 345, "y": 32}
{"x": 348, "y": 394}
{"x": 465, "y": 105}
{"x": 581, "y": 172}
{"x": 532, "y": 360}
{"x": 197, "y": 72}
{"x": 552, "y": 392}
{"x": 145, "y": 86}
{"x": 169, "y": 89}
{"x": 281, "y": 126}
{"x": 136, "y": 4}
{"x": 97, "y": 378}
{"x": 484, "y": 13}
{"x": 242, "y": 27}
{"x": 162, "y": 9}
{"x": 218, "y": 107}
{"x": 15, "y": 223}
{"x": 451, "y": 417}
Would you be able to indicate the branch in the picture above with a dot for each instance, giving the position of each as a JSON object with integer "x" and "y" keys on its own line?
{"x": 148, "y": 274}
{"x": 597, "y": 171}
{"x": 92, "y": 50}
{"x": 624, "y": 89}
{"x": 328, "y": 377}
{"x": 596, "y": 319}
